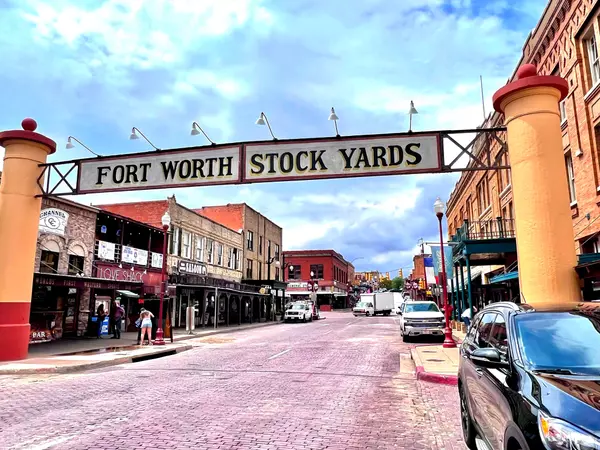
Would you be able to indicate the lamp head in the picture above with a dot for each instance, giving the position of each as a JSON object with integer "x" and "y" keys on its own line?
{"x": 291, "y": 269}
{"x": 166, "y": 220}
{"x": 277, "y": 263}
{"x": 333, "y": 115}
{"x": 195, "y": 131}
{"x": 133, "y": 136}
{"x": 412, "y": 109}
{"x": 69, "y": 143}
{"x": 261, "y": 119}
{"x": 438, "y": 207}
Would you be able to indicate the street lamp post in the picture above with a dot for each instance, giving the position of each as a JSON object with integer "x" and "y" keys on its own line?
{"x": 438, "y": 207}
{"x": 166, "y": 223}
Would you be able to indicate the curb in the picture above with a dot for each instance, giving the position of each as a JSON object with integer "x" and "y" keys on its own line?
{"x": 95, "y": 365}
{"x": 438, "y": 378}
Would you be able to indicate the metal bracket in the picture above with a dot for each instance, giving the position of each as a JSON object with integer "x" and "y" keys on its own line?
{"x": 479, "y": 151}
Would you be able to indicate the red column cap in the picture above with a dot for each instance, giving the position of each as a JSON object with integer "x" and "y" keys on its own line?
{"x": 527, "y": 77}
{"x": 28, "y": 133}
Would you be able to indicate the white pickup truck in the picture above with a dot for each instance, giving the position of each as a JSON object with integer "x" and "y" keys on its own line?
{"x": 299, "y": 311}
{"x": 420, "y": 318}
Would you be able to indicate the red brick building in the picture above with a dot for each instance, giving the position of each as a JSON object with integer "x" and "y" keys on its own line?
{"x": 332, "y": 272}
{"x": 565, "y": 42}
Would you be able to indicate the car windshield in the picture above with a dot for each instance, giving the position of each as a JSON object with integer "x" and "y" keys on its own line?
{"x": 298, "y": 306}
{"x": 562, "y": 340}
{"x": 363, "y": 304}
{"x": 421, "y": 307}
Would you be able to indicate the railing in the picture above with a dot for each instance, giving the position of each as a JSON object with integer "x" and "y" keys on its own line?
{"x": 498, "y": 228}
{"x": 108, "y": 255}
{"x": 115, "y": 257}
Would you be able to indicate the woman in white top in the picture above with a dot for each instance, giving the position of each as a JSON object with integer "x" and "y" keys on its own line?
{"x": 146, "y": 325}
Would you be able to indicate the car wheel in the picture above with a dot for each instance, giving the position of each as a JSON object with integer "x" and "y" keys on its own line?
{"x": 465, "y": 421}
{"x": 303, "y": 319}
{"x": 367, "y": 314}
{"x": 310, "y": 319}
{"x": 405, "y": 337}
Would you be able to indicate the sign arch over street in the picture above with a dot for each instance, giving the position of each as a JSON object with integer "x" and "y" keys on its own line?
{"x": 273, "y": 160}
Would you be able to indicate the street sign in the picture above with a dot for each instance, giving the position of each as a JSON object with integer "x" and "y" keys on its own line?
{"x": 300, "y": 159}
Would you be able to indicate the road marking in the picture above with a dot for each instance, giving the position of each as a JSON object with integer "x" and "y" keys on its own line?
{"x": 330, "y": 331}
{"x": 280, "y": 353}
{"x": 52, "y": 443}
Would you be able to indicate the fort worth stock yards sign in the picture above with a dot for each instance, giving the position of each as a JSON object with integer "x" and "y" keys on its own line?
{"x": 305, "y": 159}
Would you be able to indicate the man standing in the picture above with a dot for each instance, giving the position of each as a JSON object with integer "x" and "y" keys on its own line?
{"x": 118, "y": 313}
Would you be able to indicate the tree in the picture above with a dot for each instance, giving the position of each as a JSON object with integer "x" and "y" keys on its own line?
{"x": 398, "y": 283}
{"x": 385, "y": 283}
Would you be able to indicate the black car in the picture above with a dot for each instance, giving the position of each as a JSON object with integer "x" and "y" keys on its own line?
{"x": 529, "y": 378}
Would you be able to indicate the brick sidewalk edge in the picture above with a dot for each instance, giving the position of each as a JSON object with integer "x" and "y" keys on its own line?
{"x": 439, "y": 378}
{"x": 129, "y": 358}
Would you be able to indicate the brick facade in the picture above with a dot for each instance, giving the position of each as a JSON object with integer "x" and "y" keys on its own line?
{"x": 559, "y": 45}
{"x": 258, "y": 230}
{"x": 78, "y": 240}
{"x": 337, "y": 272}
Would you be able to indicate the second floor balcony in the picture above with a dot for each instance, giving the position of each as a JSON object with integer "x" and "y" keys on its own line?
{"x": 117, "y": 253}
{"x": 488, "y": 242}
{"x": 498, "y": 228}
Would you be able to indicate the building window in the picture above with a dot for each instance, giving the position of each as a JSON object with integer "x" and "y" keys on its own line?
{"x": 186, "y": 245}
{"x": 250, "y": 240}
{"x": 248, "y": 268}
{"x": 230, "y": 260}
{"x": 483, "y": 195}
{"x": 269, "y": 248}
{"x": 238, "y": 255}
{"x": 295, "y": 273}
{"x": 260, "y": 270}
{"x": 563, "y": 111}
{"x": 210, "y": 244}
{"x": 219, "y": 254}
{"x": 592, "y": 52}
{"x": 317, "y": 270}
{"x": 570, "y": 177}
{"x": 200, "y": 248}
{"x": 503, "y": 174}
{"x": 276, "y": 252}
{"x": 276, "y": 273}
{"x": 260, "y": 245}
{"x": 176, "y": 242}
{"x": 75, "y": 264}
{"x": 49, "y": 262}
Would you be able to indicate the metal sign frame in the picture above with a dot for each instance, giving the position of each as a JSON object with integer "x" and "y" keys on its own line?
{"x": 54, "y": 177}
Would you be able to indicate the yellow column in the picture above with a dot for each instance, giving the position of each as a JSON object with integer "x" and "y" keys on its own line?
{"x": 543, "y": 222}
{"x": 19, "y": 219}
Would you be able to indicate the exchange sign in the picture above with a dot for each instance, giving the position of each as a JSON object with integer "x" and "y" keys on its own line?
{"x": 303, "y": 159}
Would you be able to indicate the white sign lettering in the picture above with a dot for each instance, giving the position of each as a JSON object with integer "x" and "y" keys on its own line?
{"x": 341, "y": 158}
{"x": 192, "y": 268}
{"x": 157, "y": 260}
{"x": 53, "y": 221}
{"x": 181, "y": 168}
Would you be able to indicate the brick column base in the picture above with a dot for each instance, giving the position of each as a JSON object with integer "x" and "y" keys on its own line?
{"x": 14, "y": 330}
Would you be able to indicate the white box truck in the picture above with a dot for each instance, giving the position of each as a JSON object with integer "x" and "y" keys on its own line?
{"x": 372, "y": 304}
{"x": 384, "y": 303}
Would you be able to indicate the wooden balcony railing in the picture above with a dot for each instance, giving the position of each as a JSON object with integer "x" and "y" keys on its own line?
{"x": 498, "y": 228}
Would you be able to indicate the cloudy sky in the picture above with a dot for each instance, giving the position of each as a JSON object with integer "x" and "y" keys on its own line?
{"x": 94, "y": 68}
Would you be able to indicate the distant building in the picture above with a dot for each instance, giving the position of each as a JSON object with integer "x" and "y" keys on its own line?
{"x": 328, "y": 268}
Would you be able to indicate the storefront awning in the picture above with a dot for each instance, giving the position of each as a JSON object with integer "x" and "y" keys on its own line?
{"x": 505, "y": 277}
{"x": 128, "y": 294}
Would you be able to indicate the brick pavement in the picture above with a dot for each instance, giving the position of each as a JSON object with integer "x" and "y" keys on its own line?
{"x": 333, "y": 384}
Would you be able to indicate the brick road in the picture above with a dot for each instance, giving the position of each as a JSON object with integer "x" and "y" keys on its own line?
{"x": 332, "y": 384}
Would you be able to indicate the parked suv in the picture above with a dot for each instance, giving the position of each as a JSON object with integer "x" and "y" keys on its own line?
{"x": 299, "y": 311}
{"x": 529, "y": 378}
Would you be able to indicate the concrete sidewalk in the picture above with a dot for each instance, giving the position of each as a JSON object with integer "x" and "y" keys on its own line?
{"x": 437, "y": 364}
{"x": 111, "y": 352}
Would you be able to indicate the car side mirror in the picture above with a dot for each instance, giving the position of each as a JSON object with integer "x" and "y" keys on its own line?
{"x": 488, "y": 357}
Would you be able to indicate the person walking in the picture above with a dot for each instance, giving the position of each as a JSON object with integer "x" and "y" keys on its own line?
{"x": 146, "y": 325}
{"x": 117, "y": 316}
{"x": 466, "y": 317}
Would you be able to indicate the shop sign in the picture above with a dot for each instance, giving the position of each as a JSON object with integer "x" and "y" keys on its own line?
{"x": 53, "y": 221}
{"x": 106, "y": 250}
{"x": 114, "y": 273}
{"x": 79, "y": 283}
{"x": 134, "y": 255}
{"x": 192, "y": 268}
{"x": 302, "y": 159}
{"x": 297, "y": 285}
